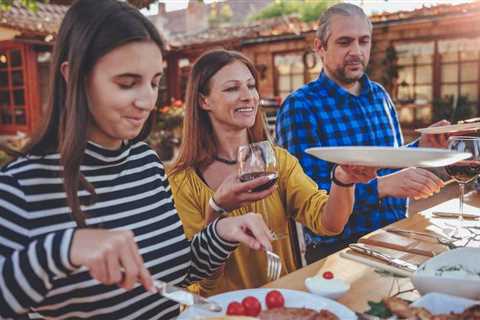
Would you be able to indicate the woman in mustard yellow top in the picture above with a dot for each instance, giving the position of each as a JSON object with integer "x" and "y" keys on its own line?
{"x": 221, "y": 114}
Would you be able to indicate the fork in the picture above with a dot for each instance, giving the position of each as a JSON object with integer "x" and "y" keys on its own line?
{"x": 274, "y": 266}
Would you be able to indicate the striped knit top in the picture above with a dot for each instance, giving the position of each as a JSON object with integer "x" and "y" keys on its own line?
{"x": 36, "y": 275}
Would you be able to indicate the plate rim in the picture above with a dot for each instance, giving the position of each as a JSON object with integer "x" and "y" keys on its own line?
{"x": 444, "y": 155}
{"x": 450, "y": 128}
{"x": 293, "y": 291}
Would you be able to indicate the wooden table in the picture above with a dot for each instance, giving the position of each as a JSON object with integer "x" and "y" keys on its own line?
{"x": 367, "y": 284}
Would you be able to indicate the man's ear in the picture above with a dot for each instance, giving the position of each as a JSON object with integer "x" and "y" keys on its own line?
{"x": 319, "y": 48}
{"x": 317, "y": 45}
{"x": 65, "y": 69}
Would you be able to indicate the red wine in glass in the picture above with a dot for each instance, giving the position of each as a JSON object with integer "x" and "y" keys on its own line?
{"x": 253, "y": 175}
{"x": 464, "y": 171}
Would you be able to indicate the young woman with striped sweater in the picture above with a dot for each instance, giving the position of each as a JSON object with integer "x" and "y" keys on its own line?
{"x": 87, "y": 219}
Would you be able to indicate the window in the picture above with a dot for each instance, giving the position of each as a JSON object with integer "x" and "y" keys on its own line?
{"x": 415, "y": 61}
{"x": 293, "y": 69}
{"x": 460, "y": 65}
{"x": 290, "y": 73}
{"x": 15, "y": 102}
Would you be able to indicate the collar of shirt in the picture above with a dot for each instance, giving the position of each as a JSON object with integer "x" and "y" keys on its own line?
{"x": 328, "y": 87}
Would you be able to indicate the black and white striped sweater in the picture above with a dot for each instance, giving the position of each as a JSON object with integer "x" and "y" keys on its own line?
{"x": 36, "y": 230}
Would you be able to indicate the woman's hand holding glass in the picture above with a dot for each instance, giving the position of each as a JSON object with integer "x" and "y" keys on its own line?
{"x": 233, "y": 194}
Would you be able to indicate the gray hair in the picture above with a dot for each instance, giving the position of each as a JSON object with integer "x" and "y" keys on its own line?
{"x": 342, "y": 9}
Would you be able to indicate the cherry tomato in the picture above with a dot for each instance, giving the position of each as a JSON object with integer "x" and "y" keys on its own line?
{"x": 252, "y": 306}
{"x": 328, "y": 275}
{"x": 235, "y": 308}
{"x": 274, "y": 299}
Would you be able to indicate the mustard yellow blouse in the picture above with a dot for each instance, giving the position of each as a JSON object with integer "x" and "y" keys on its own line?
{"x": 297, "y": 195}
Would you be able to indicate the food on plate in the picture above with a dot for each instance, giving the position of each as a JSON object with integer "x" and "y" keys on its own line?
{"x": 252, "y": 306}
{"x": 327, "y": 275}
{"x": 297, "y": 314}
{"x": 274, "y": 299}
{"x": 229, "y": 318}
{"x": 235, "y": 308}
{"x": 457, "y": 271}
{"x": 402, "y": 310}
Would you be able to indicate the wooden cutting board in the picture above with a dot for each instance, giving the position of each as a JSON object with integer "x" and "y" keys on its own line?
{"x": 394, "y": 241}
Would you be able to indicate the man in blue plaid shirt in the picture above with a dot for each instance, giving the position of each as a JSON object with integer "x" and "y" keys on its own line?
{"x": 344, "y": 108}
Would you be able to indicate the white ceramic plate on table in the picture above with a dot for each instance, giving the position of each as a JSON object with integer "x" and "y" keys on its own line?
{"x": 450, "y": 128}
{"x": 440, "y": 303}
{"x": 293, "y": 299}
{"x": 388, "y": 157}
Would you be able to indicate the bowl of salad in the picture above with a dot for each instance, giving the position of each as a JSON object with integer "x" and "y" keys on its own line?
{"x": 455, "y": 272}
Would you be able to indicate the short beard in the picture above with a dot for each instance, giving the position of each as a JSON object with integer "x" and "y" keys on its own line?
{"x": 341, "y": 75}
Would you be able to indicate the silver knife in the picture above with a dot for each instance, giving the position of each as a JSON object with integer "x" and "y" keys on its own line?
{"x": 185, "y": 297}
{"x": 396, "y": 262}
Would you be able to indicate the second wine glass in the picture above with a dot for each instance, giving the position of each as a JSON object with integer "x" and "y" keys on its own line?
{"x": 464, "y": 171}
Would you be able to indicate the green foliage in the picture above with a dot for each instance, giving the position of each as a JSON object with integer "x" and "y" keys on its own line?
{"x": 31, "y": 5}
{"x": 219, "y": 14}
{"x": 378, "y": 309}
{"x": 443, "y": 109}
{"x": 5, "y": 5}
{"x": 307, "y": 10}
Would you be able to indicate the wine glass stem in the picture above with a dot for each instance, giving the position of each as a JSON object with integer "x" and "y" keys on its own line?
{"x": 462, "y": 192}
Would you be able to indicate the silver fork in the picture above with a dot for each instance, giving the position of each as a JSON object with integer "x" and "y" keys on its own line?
{"x": 274, "y": 266}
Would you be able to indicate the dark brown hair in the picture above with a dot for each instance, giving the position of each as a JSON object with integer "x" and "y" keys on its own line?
{"x": 89, "y": 30}
{"x": 199, "y": 144}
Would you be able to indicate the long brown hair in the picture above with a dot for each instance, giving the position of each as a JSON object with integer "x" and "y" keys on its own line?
{"x": 89, "y": 30}
{"x": 199, "y": 144}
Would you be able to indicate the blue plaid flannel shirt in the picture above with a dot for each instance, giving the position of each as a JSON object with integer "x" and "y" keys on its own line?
{"x": 321, "y": 113}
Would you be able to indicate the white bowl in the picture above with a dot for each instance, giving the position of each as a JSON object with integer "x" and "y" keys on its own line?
{"x": 328, "y": 288}
{"x": 463, "y": 282}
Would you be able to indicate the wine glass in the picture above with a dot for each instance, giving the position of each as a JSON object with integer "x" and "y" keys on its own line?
{"x": 464, "y": 171}
{"x": 256, "y": 160}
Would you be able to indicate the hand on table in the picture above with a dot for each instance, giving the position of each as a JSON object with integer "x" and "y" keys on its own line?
{"x": 409, "y": 183}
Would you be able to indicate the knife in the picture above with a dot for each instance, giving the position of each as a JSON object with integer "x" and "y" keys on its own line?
{"x": 396, "y": 262}
{"x": 439, "y": 238}
{"x": 185, "y": 297}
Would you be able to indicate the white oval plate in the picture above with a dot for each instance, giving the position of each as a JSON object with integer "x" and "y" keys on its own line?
{"x": 438, "y": 303}
{"x": 388, "y": 157}
{"x": 293, "y": 299}
{"x": 450, "y": 128}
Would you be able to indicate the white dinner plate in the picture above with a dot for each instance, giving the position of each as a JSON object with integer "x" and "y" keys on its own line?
{"x": 450, "y": 128}
{"x": 388, "y": 157}
{"x": 440, "y": 303}
{"x": 293, "y": 298}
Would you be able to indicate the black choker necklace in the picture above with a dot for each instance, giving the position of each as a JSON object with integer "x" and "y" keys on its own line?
{"x": 226, "y": 161}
